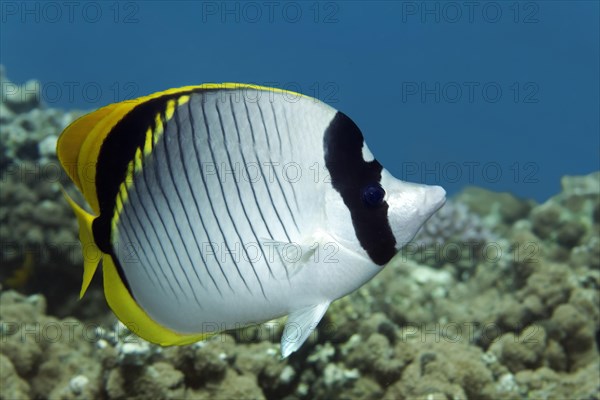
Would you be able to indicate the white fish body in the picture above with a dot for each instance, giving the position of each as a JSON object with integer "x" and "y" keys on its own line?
{"x": 246, "y": 205}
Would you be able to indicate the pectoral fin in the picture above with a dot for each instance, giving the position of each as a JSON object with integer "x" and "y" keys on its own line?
{"x": 295, "y": 255}
{"x": 299, "y": 326}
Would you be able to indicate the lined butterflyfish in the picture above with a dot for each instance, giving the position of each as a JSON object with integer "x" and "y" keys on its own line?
{"x": 218, "y": 206}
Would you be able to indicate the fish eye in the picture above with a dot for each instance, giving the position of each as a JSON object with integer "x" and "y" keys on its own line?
{"x": 373, "y": 195}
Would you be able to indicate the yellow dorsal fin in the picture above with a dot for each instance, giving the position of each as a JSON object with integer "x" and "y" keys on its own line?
{"x": 91, "y": 253}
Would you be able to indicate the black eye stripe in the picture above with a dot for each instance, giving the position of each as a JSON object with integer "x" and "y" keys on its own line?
{"x": 350, "y": 175}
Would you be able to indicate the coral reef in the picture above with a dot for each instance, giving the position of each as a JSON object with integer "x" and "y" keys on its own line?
{"x": 515, "y": 315}
{"x": 37, "y": 231}
{"x": 525, "y": 325}
{"x": 455, "y": 235}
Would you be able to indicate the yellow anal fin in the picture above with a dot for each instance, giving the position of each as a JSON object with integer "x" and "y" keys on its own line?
{"x": 131, "y": 314}
{"x": 91, "y": 253}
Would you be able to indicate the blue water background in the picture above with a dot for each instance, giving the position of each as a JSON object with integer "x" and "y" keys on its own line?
{"x": 499, "y": 94}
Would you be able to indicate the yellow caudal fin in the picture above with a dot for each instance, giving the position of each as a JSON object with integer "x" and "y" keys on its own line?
{"x": 70, "y": 142}
{"x": 91, "y": 253}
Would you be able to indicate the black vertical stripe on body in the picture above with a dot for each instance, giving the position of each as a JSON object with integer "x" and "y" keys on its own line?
{"x": 212, "y": 154}
{"x": 131, "y": 250}
{"x": 144, "y": 208}
{"x": 262, "y": 118}
{"x": 145, "y": 235}
{"x": 178, "y": 195}
{"x": 350, "y": 174}
{"x": 237, "y": 129}
{"x": 128, "y": 232}
{"x": 264, "y": 179}
{"x": 287, "y": 204}
{"x": 277, "y": 130}
{"x": 176, "y": 118}
{"x": 164, "y": 228}
{"x": 237, "y": 188}
{"x": 225, "y": 143}
{"x": 254, "y": 196}
{"x": 201, "y": 172}
{"x": 291, "y": 146}
{"x": 159, "y": 180}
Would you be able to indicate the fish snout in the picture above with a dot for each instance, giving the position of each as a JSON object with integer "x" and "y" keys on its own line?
{"x": 410, "y": 206}
{"x": 434, "y": 198}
